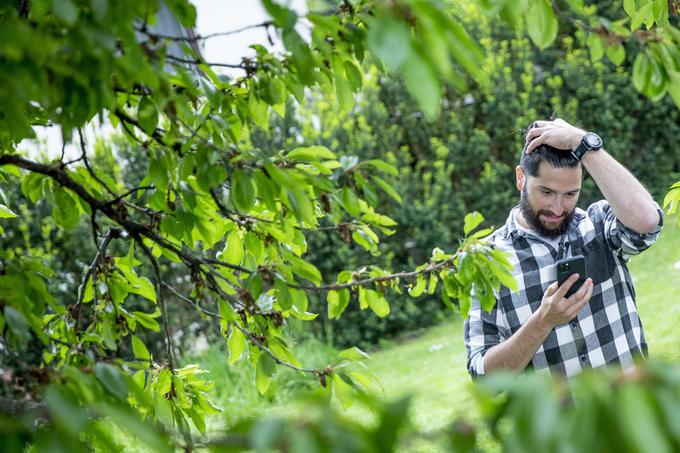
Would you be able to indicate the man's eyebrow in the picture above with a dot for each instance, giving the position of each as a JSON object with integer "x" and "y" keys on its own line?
{"x": 553, "y": 190}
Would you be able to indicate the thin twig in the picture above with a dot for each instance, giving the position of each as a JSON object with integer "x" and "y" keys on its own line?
{"x": 203, "y": 37}
{"x": 196, "y": 61}
{"x": 129, "y": 192}
{"x": 87, "y": 164}
{"x": 91, "y": 271}
{"x": 267, "y": 351}
{"x": 251, "y": 337}
{"x": 161, "y": 302}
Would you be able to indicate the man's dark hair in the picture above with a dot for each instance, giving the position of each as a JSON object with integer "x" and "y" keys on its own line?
{"x": 558, "y": 158}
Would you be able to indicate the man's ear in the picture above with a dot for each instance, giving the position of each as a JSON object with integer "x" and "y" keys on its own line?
{"x": 521, "y": 178}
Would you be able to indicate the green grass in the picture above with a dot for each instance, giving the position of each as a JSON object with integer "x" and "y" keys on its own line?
{"x": 431, "y": 366}
{"x": 656, "y": 274}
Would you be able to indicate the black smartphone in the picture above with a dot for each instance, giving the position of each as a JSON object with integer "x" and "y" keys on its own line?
{"x": 569, "y": 266}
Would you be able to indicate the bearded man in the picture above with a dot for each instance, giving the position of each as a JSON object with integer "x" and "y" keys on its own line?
{"x": 537, "y": 326}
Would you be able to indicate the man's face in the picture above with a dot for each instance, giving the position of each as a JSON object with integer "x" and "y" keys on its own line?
{"x": 548, "y": 200}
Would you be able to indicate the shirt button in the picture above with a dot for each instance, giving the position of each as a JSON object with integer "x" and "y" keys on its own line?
{"x": 573, "y": 324}
{"x": 583, "y": 357}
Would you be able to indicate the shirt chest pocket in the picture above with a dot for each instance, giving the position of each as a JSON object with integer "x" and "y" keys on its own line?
{"x": 600, "y": 262}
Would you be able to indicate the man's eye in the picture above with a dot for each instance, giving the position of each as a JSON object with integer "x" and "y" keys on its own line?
{"x": 545, "y": 192}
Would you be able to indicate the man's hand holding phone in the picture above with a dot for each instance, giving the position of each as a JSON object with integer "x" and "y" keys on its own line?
{"x": 558, "y": 309}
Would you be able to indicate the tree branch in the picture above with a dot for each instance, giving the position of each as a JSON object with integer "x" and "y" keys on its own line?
{"x": 118, "y": 216}
{"x": 383, "y": 278}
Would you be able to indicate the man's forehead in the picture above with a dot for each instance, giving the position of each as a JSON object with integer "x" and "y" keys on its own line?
{"x": 564, "y": 178}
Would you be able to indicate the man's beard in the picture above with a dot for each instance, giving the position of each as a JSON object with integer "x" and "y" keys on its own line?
{"x": 535, "y": 223}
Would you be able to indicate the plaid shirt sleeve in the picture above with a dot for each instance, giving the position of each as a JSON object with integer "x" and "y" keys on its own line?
{"x": 482, "y": 331}
{"x": 623, "y": 241}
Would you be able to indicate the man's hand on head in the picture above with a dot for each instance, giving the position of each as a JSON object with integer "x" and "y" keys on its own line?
{"x": 557, "y": 133}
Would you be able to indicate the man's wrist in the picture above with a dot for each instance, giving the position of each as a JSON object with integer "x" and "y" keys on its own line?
{"x": 540, "y": 321}
{"x": 589, "y": 141}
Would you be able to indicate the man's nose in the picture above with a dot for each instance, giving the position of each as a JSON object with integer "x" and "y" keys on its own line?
{"x": 556, "y": 206}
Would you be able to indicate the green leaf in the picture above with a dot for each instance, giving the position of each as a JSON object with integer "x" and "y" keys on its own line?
{"x": 353, "y": 74}
{"x": 266, "y": 367}
{"x": 242, "y": 191}
{"x": 389, "y": 39}
{"x": 65, "y": 410}
{"x": 226, "y": 311}
{"x": 423, "y": 84}
{"x": 377, "y": 303}
{"x": 6, "y": 213}
{"x": 306, "y": 153}
{"x": 236, "y": 344}
{"x": 343, "y": 93}
{"x": 674, "y": 86}
{"x": 363, "y": 300}
{"x": 387, "y": 188}
{"x": 139, "y": 349}
{"x": 418, "y": 288}
{"x": 147, "y": 115}
{"x": 65, "y": 211}
{"x": 259, "y": 111}
{"x": 66, "y": 11}
{"x": 382, "y": 166}
{"x": 630, "y": 6}
{"x": 616, "y": 54}
{"x": 350, "y": 201}
{"x": 147, "y": 320}
{"x": 266, "y": 189}
{"x": 233, "y": 251}
{"x": 643, "y": 15}
{"x": 472, "y": 221}
{"x": 596, "y": 47}
{"x": 640, "y": 425}
{"x": 353, "y": 354}
{"x": 342, "y": 391}
{"x": 112, "y": 379}
{"x": 337, "y": 302}
{"x": 17, "y": 323}
{"x": 283, "y": 17}
{"x": 541, "y": 23}
{"x": 642, "y": 71}
{"x": 305, "y": 270}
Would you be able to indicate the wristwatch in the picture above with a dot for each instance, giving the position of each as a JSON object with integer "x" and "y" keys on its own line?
{"x": 590, "y": 142}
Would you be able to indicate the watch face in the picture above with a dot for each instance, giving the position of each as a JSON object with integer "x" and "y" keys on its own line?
{"x": 592, "y": 140}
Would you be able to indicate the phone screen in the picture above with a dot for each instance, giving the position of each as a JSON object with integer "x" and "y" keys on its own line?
{"x": 569, "y": 266}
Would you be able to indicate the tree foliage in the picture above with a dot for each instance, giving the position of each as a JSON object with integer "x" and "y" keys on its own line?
{"x": 232, "y": 216}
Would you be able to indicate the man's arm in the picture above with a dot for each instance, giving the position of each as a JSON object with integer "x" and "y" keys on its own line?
{"x": 516, "y": 352}
{"x": 630, "y": 201}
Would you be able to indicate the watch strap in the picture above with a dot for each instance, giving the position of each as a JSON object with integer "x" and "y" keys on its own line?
{"x": 580, "y": 150}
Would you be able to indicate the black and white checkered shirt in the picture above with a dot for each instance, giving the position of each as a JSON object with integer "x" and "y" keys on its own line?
{"x": 607, "y": 329}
